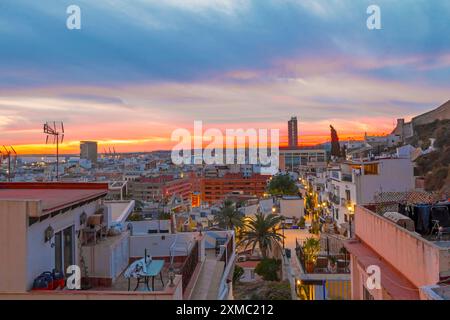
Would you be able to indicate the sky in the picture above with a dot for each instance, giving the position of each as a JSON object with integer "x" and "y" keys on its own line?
{"x": 137, "y": 70}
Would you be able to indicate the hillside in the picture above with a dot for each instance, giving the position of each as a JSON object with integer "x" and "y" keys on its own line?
{"x": 434, "y": 166}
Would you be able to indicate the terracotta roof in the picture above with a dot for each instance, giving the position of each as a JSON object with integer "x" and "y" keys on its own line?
{"x": 248, "y": 264}
{"x": 396, "y": 284}
{"x": 54, "y": 196}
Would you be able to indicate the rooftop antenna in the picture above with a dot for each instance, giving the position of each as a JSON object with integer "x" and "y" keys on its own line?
{"x": 55, "y": 130}
{"x": 9, "y": 151}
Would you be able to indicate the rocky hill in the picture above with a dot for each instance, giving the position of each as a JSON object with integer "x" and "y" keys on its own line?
{"x": 434, "y": 166}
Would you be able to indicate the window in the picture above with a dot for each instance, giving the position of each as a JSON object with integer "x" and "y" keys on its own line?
{"x": 347, "y": 195}
{"x": 371, "y": 169}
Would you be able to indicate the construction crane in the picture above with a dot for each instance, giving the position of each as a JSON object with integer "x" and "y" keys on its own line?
{"x": 9, "y": 153}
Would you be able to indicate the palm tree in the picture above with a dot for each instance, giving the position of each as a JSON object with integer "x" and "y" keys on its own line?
{"x": 229, "y": 217}
{"x": 262, "y": 231}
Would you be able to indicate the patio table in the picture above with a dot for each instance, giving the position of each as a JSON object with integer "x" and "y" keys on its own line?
{"x": 153, "y": 268}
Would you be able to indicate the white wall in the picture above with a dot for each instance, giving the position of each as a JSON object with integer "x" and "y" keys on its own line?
{"x": 394, "y": 175}
{"x": 142, "y": 227}
{"x": 211, "y": 236}
{"x": 247, "y": 276}
{"x": 292, "y": 208}
{"x": 41, "y": 255}
{"x": 158, "y": 245}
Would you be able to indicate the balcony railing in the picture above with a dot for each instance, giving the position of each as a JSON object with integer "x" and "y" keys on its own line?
{"x": 189, "y": 265}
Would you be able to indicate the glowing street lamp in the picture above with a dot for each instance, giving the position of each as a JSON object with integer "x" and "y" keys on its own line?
{"x": 351, "y": 212}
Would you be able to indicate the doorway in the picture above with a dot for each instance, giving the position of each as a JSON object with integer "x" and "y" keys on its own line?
{"x": 64, "y": 249}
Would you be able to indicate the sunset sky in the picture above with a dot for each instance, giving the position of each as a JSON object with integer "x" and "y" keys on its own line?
{"x": 139, "y": 69}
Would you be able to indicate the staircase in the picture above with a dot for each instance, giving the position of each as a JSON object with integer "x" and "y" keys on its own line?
{"x": 207, "y": 286}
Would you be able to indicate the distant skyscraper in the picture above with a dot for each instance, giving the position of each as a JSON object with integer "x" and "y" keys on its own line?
{"x": 88, "y": 150}
{"x": 293, "y": 133}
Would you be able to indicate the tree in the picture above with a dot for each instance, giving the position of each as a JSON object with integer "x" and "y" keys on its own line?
{"x": 335, "y": 147}
{"x": 229, "y": 217}
{"x": 268, "y": 269}
{"x": 262, "y": 231}
{"x": 309, "y": 203}
{"x": 282, "y": 184}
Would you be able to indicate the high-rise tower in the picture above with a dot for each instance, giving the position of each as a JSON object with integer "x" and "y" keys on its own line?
{"x": 292, "y": 132}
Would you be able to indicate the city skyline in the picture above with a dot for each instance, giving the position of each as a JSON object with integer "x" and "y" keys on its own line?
{"x": 230, "y": 64}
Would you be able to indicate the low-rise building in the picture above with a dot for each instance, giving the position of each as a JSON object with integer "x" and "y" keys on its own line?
{"x": 215, "y": 189}
{"x": 358, "y": 182}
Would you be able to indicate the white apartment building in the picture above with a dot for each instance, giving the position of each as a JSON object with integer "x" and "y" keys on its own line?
{"x": 357, "y": 182}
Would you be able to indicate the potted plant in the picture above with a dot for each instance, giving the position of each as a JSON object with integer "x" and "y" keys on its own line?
{"x": 302, "y": 223}
{"x": 311, "y": 249}
{"x": 332, "y": 267}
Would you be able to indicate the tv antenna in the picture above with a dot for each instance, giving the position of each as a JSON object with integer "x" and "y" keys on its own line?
{"x": 55, "y": 131}
{"x": 9, "y": 153}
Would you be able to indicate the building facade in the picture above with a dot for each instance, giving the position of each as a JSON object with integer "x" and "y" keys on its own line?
{"x": 293, "y": 133}
{"x": 88, "y": 150}
{"x": 215, "y": 189}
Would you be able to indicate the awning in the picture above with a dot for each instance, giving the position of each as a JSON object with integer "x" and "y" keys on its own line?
{"x": 396, "y": 284}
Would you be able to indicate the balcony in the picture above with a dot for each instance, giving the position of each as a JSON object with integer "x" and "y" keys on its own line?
{"x": 332, "y": 259}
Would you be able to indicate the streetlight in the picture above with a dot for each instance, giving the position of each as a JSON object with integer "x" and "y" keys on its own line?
{"x": 350, "y": 218}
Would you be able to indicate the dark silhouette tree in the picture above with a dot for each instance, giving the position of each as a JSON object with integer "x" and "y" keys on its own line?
{"x": 335, "y": 147}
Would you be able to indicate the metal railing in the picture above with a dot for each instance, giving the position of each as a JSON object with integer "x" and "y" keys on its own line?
{"x": 189, "y": 265}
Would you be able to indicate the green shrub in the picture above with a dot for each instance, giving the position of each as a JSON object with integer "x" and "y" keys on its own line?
{"x": 136, "y": 216}
{"x": 268, "y": 269}
{"x": 282, "y": 184}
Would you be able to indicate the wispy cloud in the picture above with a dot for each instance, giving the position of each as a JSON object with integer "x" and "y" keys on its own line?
{"x": 137, "y": 70}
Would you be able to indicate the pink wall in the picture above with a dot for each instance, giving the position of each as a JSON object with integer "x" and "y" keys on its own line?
{"x": 416, "y": 258}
